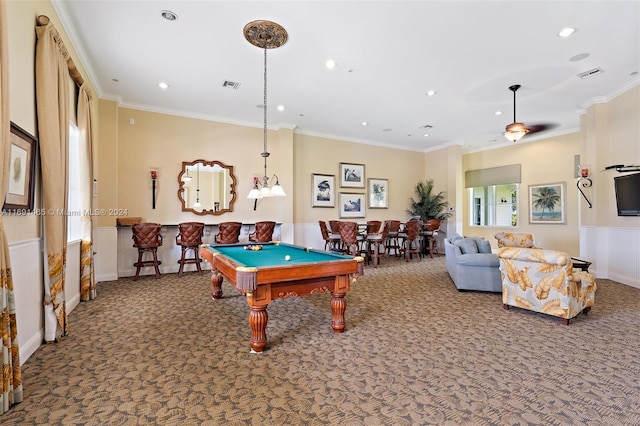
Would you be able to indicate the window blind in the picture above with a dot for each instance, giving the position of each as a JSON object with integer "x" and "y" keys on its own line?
{"x": 492, "y": 176}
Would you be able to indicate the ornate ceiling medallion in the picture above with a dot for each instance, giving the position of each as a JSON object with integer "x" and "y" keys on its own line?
{"x": 265, "y": 34}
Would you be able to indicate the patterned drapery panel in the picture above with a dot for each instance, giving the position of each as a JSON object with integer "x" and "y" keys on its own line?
{"x": 88, "y": 289}
{"x": 52, "y": 100}
{"x": 10, "y": 372}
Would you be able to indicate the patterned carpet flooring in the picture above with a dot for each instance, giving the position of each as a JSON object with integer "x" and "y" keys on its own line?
{"x": 415, "y": 352}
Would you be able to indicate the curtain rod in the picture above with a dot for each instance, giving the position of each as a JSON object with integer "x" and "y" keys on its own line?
{"x": 43, "y": 20}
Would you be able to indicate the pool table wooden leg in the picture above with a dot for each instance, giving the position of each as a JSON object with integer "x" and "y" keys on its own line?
{"x": 216, "y": 285}
{"x": 258, "y": 318}
{"x": 338, "y": 306}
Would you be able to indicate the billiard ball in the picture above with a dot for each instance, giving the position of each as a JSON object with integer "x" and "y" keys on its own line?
{"x": 287, "y": 257}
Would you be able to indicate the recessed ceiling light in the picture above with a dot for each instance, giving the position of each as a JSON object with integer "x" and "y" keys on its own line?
{"x": 431, "y": 92}
{"x": 364, "y": 123}
{"x": 168, "y": 15}
{"x": 497, "y": 113}
{"x": 331, "y": 64}
{"x": 280, "y": 108}
{"x": 426, "y": 135}
{"x": 163, "y": 85}
{"x": 566, "y": 32}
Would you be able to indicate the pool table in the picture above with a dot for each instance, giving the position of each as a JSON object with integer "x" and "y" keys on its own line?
{"x": 279, "y": 271}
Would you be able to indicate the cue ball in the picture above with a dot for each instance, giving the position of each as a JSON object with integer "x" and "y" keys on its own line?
{"x": 287, "y": 257}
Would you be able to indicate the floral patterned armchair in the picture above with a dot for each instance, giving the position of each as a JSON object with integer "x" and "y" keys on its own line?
{"x": 545, "y": 281}
{"x": 515, "y": 239}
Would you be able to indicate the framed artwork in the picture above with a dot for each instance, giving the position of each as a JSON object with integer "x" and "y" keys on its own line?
{"x": 22, "y": 169}
{"x": 351, "y": 175}
{"x": 352, "y": 205}
{"x": 378, "y": 193}
{"x": 323, "y": 190}
{"x": 547, "y": 203}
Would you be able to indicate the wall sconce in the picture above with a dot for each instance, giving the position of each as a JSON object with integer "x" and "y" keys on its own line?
{"x": 154, "y": 176}
{"x": 584, "y": 182}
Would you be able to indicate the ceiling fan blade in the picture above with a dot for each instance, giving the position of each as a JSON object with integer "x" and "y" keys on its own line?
{"x": 537, "y": 128}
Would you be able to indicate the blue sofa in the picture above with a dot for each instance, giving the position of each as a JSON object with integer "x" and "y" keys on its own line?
{"x": 471, "y": 265}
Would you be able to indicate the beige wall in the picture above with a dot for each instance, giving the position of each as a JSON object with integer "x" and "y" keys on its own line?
{"x": 545, "y": 161}
{"x": 611, "y": 135}
{"x": 319, "y": 155}
{"x": 134, "y": 142}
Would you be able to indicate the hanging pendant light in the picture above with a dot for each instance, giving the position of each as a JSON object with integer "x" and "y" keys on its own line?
{"x": 186, "y": 177}
{"x": 265, "y": 35}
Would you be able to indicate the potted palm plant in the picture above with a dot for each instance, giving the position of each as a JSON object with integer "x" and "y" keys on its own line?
{"x": 427, "y": 204}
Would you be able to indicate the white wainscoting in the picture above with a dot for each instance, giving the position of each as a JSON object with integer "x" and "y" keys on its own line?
{"x": 28, "y": 285}
{"x": 308, "y": 235}
{"x": 105, "y": 245}
{"x": 28, "y": 288}
{"x": 614, "y": 253}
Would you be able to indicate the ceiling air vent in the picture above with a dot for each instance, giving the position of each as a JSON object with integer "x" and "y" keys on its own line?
{"x": 426, "y": 126}
{"x": 590, "y": 73}
{"x": 230, "y": 84}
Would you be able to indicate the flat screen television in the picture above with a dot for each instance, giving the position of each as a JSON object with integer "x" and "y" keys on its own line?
{"x": 628, "y": 194}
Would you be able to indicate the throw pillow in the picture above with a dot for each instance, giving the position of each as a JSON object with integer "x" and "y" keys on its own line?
{"x": 484, "y": 246}
{"x": 467, "y": 245}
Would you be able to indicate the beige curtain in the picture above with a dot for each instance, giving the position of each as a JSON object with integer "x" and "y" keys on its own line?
{"x": 52, "y": 102}
{"x": 10, "y": 373}
{"x": 87, "y": 274}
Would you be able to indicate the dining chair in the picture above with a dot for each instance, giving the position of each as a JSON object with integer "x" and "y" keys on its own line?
{"x": 331, "y": 240}
{"x": 351, "y": 243}
{"x": 375, "y": 241}
{"x": 412, "y": 243}
{"x": 393, "y": 238}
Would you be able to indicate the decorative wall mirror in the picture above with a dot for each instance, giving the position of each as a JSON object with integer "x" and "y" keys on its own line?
{"x": 206, "y": 187}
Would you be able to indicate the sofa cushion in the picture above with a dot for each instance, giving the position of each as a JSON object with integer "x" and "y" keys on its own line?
{"x": 455, "y": 238}
{"x": 479, "y": 259}
{"x": 467, "y": 245}
{"x": 484, "y": 246}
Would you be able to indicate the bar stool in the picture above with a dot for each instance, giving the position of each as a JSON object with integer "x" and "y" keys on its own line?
{"x": 263, "y": 232}
{"x": 228, "y": 233}
{"x": 190, "y": 238}
{"x": 147, "y": 238}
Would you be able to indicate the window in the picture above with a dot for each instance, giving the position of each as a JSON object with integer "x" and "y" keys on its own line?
{"x": 494, "y": 205}
{"x": 74, "y": 216}
{"x": 493, "y": 196}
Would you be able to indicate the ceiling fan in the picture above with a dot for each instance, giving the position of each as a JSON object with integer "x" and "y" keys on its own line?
{"x": 516, "y": 131}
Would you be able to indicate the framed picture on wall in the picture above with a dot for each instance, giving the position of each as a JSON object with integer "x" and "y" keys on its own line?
{"x": 547, "y": 203}
{"x": 378, "y": 193}
{"x": 22, "y": 171}
{"x": 323, "y": 190}
{"x": 352, "y": 205}
{"x": 351, "y": 175}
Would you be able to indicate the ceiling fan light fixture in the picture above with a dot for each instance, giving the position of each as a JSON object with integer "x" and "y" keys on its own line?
{"x": 515, "y": 131}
